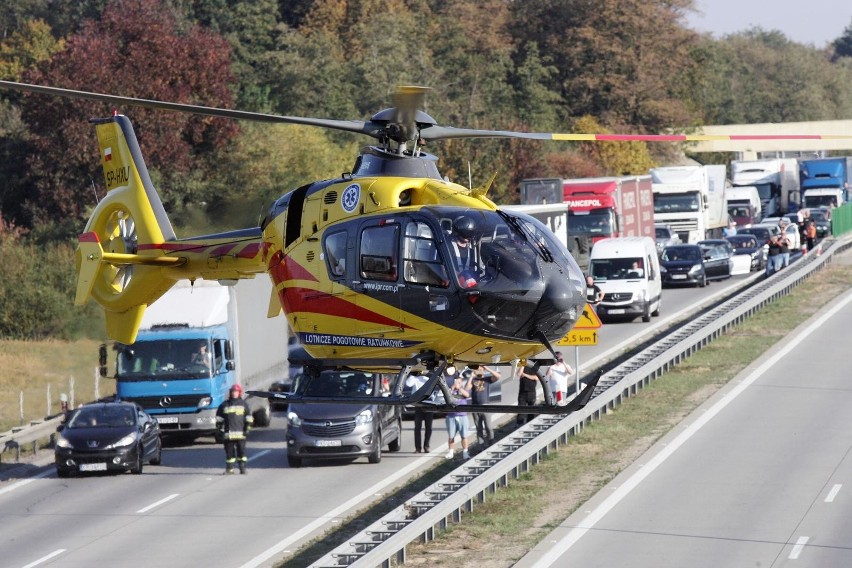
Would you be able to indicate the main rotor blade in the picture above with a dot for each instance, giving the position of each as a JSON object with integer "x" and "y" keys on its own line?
{"x": 446, "y": 132}
{"x": 358, "y": 126}
{"x": 408, "y": 99}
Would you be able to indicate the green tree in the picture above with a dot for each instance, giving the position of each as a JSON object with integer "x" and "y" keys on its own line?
{"x": 621, "y": 61}
{"x": 842, "y": 46}
{"x": 759, "y": 76}
{"x": 26, "y": 47}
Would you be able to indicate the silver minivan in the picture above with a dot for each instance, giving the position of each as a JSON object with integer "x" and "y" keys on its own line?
{"x": 342, "y": 430}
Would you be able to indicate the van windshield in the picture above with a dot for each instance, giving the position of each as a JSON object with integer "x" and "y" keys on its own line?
{"x": 626, "y": 268}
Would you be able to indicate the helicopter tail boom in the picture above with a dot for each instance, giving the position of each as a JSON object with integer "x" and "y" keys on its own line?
{"x": 128, "y": 255}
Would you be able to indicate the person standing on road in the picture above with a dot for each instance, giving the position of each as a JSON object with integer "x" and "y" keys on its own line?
{"x": 557, "y": 375}
{"x": 457, "y": 422}
{"x": 774, "y": 254}
{"x": 527, "y": 382}
{"x": 422, "y": 418}
{"x": 479, "y": 394}
{"x": 594, "y": 294}
{"x": 234, "y": 420}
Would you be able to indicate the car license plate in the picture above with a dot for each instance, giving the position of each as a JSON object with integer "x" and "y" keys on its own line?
{"x": 328, "y": 443}
{"x": 93, "y": 467}
{"x": 617, "y": 311}
{"x": 678, "y": 276}
{"x": 167, "y": 419}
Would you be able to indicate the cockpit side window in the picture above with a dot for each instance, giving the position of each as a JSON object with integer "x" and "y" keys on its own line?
{"x": 422, "y": 262}
{"x": 379, "y": 256}
{"x": 335, "y": 254}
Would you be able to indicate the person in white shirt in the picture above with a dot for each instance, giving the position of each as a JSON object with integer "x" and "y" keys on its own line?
{"x": 557, "y": 375}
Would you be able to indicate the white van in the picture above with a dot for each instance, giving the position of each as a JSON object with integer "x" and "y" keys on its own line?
{"x": 627, "y": 270}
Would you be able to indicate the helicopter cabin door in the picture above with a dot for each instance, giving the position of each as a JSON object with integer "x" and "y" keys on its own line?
{"x": 377, "y": 280}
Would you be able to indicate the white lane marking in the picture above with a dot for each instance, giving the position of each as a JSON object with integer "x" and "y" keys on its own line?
{"x": 45, "y": 558}
{"x": 797, "y": 549}
{"x": 21, "y": 483}
{"x": 833, "y": 493}
{"x": 330, "y": 517}
{"x": 158, "y": 503}
{"x": 259, "y": 454}
{"x": 550, "y": 557}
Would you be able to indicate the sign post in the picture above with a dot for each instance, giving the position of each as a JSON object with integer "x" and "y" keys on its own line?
{"x": 584, "y": 333}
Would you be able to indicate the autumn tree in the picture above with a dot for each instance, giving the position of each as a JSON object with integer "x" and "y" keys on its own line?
{"x": 140, "y": 49}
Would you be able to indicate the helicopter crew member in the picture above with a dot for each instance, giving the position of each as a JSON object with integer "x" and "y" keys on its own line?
{"x": 464, "y": 230}
{"x": 234, "y": 420}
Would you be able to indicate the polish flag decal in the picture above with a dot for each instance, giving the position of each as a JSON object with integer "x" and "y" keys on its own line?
{"x": 107, "y": 154}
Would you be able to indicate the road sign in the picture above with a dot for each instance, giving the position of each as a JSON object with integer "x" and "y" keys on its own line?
{"x": 580, "y": 337}
{"x": 589, "y": 319}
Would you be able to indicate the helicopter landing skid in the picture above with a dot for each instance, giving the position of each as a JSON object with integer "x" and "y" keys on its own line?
{"x": 422, "y": 398}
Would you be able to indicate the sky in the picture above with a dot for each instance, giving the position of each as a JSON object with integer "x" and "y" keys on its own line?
{"x": 816, "y": 22}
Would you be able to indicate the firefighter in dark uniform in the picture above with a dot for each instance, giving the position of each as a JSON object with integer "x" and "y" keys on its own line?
{"x": 234, "y": 420}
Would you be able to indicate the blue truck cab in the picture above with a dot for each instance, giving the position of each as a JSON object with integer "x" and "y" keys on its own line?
{"x": 192, "y": 346}
{"x": 825, "y": 181}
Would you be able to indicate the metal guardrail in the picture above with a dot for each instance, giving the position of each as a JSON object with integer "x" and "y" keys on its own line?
{"x": 384, "y": 542}
{"x": 20, "y": 436}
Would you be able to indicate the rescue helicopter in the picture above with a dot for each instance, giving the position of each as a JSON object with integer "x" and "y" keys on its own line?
{"x": 387, "y": 267}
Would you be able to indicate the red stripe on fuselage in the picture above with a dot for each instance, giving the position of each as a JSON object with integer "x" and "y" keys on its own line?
{"x": 316, "y": 302}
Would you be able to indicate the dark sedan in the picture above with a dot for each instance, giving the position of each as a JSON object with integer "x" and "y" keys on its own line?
{"x": 750, "y": 246}
{"x": 718, "y": 258}
{"x": 683, "y": 264}
{"x": 107, "y": 436}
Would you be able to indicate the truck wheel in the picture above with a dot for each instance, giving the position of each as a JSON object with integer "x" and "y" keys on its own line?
{"x": 646, "y": 315}
{"x": 263, "y": 417}
{"x": 294, "y": 462}
{"x": 656, "y": 312}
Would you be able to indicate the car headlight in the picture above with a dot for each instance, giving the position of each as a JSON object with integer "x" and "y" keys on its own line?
{"x": 663, "y": 269}
{"x": 126, "y": 441}
{"x": 63, "y": 443}
{"x": 294, "y": 419}
{"x": 365, "y": 417}
{"x": 696, "y": 268}
{"x": 205, "y": 401}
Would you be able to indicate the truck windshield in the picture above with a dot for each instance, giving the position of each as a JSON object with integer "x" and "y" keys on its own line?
{"x": 176, "y": 359}
{"x": 597, "y": 222}
{"x": 764, "y": 191}
{"x": 676, "y": 202}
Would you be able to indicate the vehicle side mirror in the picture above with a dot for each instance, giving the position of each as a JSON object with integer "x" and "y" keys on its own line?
{"x": 60, "y": 428}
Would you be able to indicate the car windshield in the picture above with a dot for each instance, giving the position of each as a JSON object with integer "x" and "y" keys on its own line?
{"x": 762, "y": 234}
{"x": 109, "y": 417}
{"x": 342, "y": 384}
{"x": 743, "y": 243}
{"x": 682, "y": 253}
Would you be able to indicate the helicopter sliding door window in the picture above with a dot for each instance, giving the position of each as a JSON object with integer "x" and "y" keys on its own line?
{"x": 335, "y": 254}
{"x": 379, "y": 256}
{"x": 422, "y": 263}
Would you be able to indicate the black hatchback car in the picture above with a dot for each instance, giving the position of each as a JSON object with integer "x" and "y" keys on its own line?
{"x": 107, "y": 436}
{"x": 683, "y": 264}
